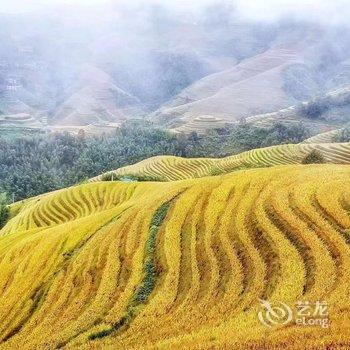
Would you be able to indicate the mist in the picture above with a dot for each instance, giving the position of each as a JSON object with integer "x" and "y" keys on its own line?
{"x": 327, "y": 11}
{"x": 150, "y": 51}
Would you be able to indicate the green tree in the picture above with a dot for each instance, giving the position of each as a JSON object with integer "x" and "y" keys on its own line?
{"x": 37, "y": 164}
{"x": 4, "y": 210}
{"x": 315, "y": 108}
{"x": 344, "y": 135}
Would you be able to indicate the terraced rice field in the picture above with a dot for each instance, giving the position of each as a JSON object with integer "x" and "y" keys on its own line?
{"x": 176, "y": 168}
{"x": 286, "y": 115}
{"x": 325, "y": 137}
{"x": 179, "y": 265}
{"x": 19, "y": 120}
{"x": 201, "y": 125}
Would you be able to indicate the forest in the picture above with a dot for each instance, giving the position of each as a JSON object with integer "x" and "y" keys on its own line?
{"x": 41, "y": 163}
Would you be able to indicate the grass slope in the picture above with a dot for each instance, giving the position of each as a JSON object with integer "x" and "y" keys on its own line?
{"x": 175, "y": 265}
{"x": 177, "y": 168}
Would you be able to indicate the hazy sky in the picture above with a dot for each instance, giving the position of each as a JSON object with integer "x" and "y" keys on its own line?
{"x": 324, "y": 10}
{"x": 17, "y": 6}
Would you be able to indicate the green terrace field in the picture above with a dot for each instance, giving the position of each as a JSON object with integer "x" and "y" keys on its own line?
{"x": 176, "y": 168}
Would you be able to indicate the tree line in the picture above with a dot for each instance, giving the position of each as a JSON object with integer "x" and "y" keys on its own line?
{"x": 37, "y": 164}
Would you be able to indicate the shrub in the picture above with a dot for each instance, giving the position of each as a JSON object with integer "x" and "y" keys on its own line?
{"x": 344, "y": 135}
{"x": 314, "y": 157}
{"x": 315, "y": 108}
{"x": 111, "y": 176}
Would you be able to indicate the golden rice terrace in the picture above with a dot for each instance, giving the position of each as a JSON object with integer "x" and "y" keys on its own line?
{"x": 179, "y": 265}
{"x": 172, "y": 168}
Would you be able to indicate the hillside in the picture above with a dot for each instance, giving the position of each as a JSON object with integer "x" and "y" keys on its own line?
{"x": 228, "y": 94}
{"x": 323, "y": 112}
{"x": 173, "y": 67}
{"x": 325, "y": 137}
{"x": 179, "y": 264}
{"x": 189, "y": 68}
{"x": 328, "y": 110}
{"x": 95, "y": 98}
{"x": 177, "y": 168}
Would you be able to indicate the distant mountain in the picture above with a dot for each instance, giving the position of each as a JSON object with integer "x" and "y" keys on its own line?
{"x": 95, "y": 98}
{"x": 256, "y": 85}
{"x": 170, "y": 67}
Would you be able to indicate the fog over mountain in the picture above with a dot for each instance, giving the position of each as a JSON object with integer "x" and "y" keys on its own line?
{"x": 322, "y": 10}
{"x": 92, "y": 62}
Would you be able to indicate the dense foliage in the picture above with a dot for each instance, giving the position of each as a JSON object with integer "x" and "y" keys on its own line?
{"x": 111, "y": 176}
{"x": 318, "y": 107}
{"x": 314, "y": 157}
{"x": 246, "y": 137}
{"x": 344, "y": 135}
{"x": 4, "y": 210}
{"x": 33, "y": 165}
{"x": 314, "y": 109}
